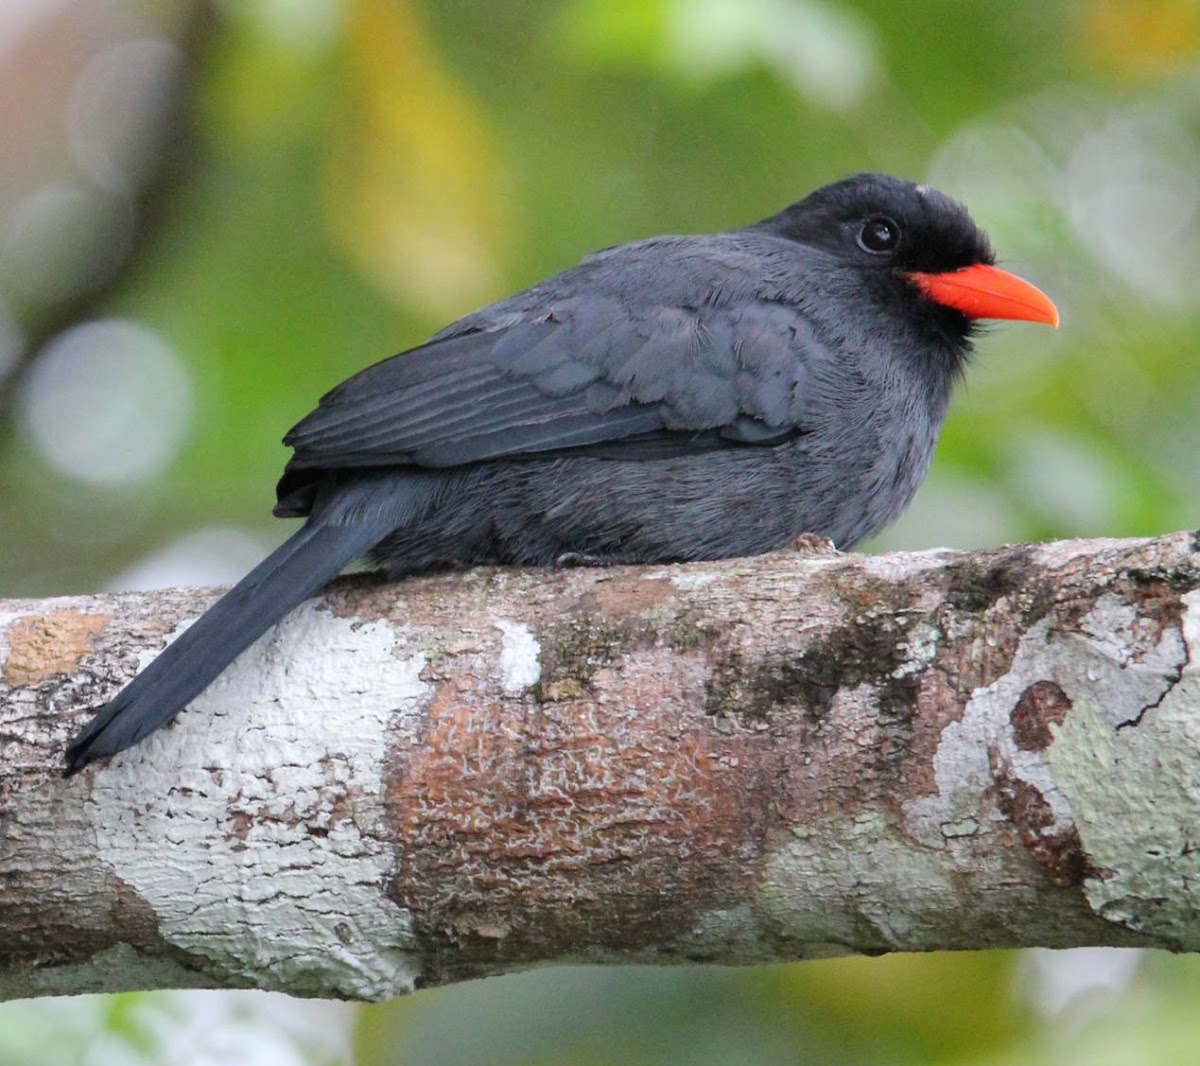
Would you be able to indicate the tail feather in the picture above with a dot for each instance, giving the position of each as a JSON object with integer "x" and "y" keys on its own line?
{"x": 287, "y": 577}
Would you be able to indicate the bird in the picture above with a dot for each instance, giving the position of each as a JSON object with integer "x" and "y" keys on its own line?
{"x": 673, "y": 399}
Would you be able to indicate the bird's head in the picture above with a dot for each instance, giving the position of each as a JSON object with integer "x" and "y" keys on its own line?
{"x": 914, "y": 246}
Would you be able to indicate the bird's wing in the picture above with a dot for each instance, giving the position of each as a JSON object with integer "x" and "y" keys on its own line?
{"x": 586, "y": 375}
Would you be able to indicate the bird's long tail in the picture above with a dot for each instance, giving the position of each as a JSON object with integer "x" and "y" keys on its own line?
{"x": 289, "y": 575}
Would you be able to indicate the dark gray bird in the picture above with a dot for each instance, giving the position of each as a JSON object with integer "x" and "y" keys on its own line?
{"x": 676, "y": 398}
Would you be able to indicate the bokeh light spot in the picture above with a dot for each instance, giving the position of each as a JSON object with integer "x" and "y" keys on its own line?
{"x": 307, "y": 27}
{"x": 214, "y": 555}
{"x": 1064, "y": 481}
{"x": 1095, "y": 975}
{"x": 117, "y": 107}
{"x": 12, "y": 342}
{"x": 107, "y": 402}
{"x": 1134, "y": 187}
{"x": 61, "y": 239}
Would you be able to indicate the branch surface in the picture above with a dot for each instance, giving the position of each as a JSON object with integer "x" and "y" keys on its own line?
{"x": 764, "y": 759}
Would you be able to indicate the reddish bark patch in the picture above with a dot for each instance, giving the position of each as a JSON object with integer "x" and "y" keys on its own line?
{"x": 1158, "y": 597}
{"x": 1042, "y": 705}
{"x": 1059, "y": 852}
{"x": 41, "y": 646}
{"x": 625, "y": 594}
{"x": 134, "y": 920}
{"x": 525, "y": 826}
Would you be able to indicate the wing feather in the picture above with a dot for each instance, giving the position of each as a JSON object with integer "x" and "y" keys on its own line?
{"x": 580, "y": 373}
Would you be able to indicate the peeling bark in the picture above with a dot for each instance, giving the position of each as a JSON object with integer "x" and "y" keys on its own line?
{"x": 787, "y": 757}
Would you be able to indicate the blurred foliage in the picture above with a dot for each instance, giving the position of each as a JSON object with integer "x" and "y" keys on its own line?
{"x": 359, "y": 172}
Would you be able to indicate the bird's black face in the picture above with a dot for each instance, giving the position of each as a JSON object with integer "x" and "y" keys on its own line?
{"x": 880, "y": 222}
{"x": 914, "y": 246}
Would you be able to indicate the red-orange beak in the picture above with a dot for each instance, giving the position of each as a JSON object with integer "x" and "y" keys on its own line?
{"x": 988, "y": 292}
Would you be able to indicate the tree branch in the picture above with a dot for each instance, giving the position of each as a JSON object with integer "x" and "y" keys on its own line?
{"x": 763, "y": 759}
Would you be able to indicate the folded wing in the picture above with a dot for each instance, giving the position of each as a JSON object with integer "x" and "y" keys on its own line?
{"x": 584, "y": 375}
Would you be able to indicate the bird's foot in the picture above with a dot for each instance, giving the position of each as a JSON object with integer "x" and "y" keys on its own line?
{"x": 813, "y": 544}
{"x": 572, "y": 560}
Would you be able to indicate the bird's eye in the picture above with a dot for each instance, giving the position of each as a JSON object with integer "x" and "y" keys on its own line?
{"x": 879, "y": 235}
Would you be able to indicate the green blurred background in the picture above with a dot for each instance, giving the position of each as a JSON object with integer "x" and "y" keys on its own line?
{"x": 212, "y": 212}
